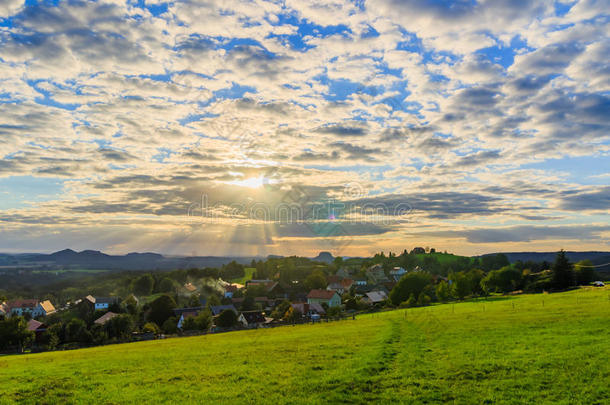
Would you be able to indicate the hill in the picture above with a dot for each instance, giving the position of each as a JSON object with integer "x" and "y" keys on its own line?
{"x": 550, "y": 256}
{"x": 527, "y": 349}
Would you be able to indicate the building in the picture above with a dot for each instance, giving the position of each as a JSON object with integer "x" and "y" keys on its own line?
{"x": 100, "y": 303}
{"x": 105, "y": 318}
{"x": 328, "y": 297}
{"x": 185, "y": 315}
{"x": 43, "y": 308}
{"x": 38, "y": 328}
{"x": 3, "y": 309}
{"x": 376, "y": 274}
{"x": 217, "y": 309}
{"x": 398, "y": 272}
{"x": 375, "y": 297}
{"x": 22, "y": 307}
{"x": 308, "y": 309}
{"x": 190, "y": 288}
{"x": 252, "y": 319}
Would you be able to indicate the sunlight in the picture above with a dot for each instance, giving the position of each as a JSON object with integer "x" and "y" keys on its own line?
{"x": 252, "y": 182}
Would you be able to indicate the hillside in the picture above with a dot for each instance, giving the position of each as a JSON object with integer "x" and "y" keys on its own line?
{"x": 537, "y": 348}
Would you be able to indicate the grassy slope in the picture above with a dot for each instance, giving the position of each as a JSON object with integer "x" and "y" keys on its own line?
{"x": 248, "y": 276}
{"x": 506, "y": 350}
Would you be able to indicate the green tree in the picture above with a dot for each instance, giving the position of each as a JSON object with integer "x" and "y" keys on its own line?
{"x": 461, "y": 285}
{"x": 423, "y": 300}
{"x": 76, "y": 331}
{"x": 14, "y": 332}
{"x": 226, "y": 319}
{"x": 120, "y": 327}
{"x": 315, "y": 280}
{"x": 151, "y": 327}
{"x": 293, "y": 315}
{"x": 443, "y": 291}
{"x": 505, "y": 280}
{"x": 167, "y": 285}
{"x": 161, "y": 309}
{"x": 563, "y": 274}
{"x": 143, "y": 285}
{"x": 131, "y": 305}
{"x": 411, "y": 283}
{"x": 170, "y": 326}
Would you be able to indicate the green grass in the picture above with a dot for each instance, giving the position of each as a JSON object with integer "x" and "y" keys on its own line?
{"x": 248, "y": 276}
{"x": 524, "y": 349}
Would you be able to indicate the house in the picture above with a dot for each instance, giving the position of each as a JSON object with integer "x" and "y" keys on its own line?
{"x": 3, "y": 309}
{"x": 217, "y": 309}
{"x": 185, "y": 315}
{"x": 375, "y": 297}
{"x": 190, "y": 288}
{"x": 37, "y": 327}
{"x": 376, "y": 274}
{"x": 328, "y": 297}
{"x": 105, "y": 318}
{"x": 100, "y": 303}
{"x": 308, "y": 309}
{"x": 252, "y": 319}
{"x": 231, "y": 289}
{"x": 179, "y": 311}
{"x": 360, "y": 281}
{"x": 43, "y": 308}
{"x": 398, "y": 272}
{"x": 22, "y": 307}
{"x": 343, "y": 272}
{"x": 252, "y": 283}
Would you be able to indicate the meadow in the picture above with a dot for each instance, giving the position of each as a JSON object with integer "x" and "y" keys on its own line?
{"x": 545, "y": 348}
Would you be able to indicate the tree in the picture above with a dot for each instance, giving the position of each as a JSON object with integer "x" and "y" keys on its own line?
{"x": 280, "y": 309}
{"x": 76, "y": 331}
{"x": 161, "y": 309}
{"x": 120, "y": 327}
{"x": 143, "y": 285}
{"x": 505, "y": 280}
{"x": 167, "y": 285}
{"x": 151, "y": 327}
{"x": 584, "y": 272}
{"x": 226, "y": 319}
{"x": 461, "y": 285}
{"x": 315, "y": 280}
{"x": 170, "y": 326}
{"x": 443, "y": 291}
{"x": 14, "y": 332}
{"x": 131, "y": 304}
{"x": 423, "y": 300}
{"x": 293, "y": 315}
{"x": 411, "y": 283}
{"x": 563, "y": 274}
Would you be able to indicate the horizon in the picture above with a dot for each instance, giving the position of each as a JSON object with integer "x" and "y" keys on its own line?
{"x": 261, "y": 128}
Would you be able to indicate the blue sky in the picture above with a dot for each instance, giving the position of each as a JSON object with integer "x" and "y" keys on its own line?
{"x": 485, "y": 118}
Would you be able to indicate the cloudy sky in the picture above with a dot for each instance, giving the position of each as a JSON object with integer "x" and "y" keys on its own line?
{"x": 290, "y": 127}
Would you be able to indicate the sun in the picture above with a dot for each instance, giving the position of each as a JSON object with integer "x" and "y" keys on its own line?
{"x": 251, "y": 182}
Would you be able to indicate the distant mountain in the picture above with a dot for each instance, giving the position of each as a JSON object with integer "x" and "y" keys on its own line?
{"x": 324, "y": 257}
{"x": 93, "y": 259}
{"x": 595, "y": 257}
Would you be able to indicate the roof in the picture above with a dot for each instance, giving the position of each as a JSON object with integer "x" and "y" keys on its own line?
{"x": 90, "y": 298}
{"x": 347, "y": 282}
{"x": 47, "y": 306}
{"x": 31, "y": 303}
{"x": 190, "y": 287}
{"x": 254, "y": 317}
{"x": 105, "y": 318}
{"x": 34, "y": 325}
{"x": 321, "y": 294}
{"x": 217, "y": 309}
{"x": 106, "y": 300}
{"x": 376, "y": 296}
{"x": 180, "y": 311}
{"x": 191, "y": 314}
{"x": 304, "y": 307}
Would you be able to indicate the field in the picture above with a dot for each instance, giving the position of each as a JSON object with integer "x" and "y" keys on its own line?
{"x": 523, "y": 349}
{"x": 249, "y": 272}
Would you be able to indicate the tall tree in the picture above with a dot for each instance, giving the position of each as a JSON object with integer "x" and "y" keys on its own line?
{"x": 563, "y": 273}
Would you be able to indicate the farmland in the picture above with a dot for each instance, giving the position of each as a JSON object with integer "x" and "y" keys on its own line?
{"x": 530, "y": 348}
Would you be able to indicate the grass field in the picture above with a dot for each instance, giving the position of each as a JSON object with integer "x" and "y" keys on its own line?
{"x": 247, "y": 277}
{"x": 524, "y": 349}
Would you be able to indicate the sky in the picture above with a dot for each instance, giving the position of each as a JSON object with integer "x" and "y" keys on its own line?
{"x": 292, "y": 127}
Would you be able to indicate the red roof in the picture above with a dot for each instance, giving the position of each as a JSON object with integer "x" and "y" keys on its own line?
{"x": 321, "y": 294}
{"x": 347, "y": 282}
{"x": 23, "y": 304}
{"x": 34, "y": 325}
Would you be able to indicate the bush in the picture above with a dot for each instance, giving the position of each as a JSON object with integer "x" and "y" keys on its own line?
{"x": 226, "y": 319}
{"x": 410, "y": 284}
{"x": 151, "y": 327}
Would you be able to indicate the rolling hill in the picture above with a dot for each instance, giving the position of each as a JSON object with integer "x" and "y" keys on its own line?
{"x": 527, "y": 349}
